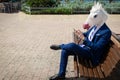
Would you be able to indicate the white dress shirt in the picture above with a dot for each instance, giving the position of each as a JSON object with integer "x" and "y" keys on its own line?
{"x": 92, "y": 33}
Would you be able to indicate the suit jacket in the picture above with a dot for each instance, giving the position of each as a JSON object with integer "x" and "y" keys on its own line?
{"x": 98, "y": 45}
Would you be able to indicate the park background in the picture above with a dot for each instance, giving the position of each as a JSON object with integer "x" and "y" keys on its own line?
{"x": 25, "y": 37}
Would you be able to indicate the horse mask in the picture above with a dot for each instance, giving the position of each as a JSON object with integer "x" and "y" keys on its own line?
{"x": 97, "y": 16}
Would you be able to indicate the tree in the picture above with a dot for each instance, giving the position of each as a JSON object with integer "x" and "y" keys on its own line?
{"x": 66, "y": 0}
{"x": 57, "y": 1}
{"x": 81, "y": 0}
{"x": 110, "y": 1}
{"x": 44, "y": 3}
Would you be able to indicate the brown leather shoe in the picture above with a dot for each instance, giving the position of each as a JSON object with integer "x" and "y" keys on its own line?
{"x": 57, "y": 77}
{"x": 55, "y": 47}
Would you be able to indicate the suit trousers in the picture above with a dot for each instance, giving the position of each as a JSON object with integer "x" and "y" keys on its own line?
{"x": 72, "y": 49}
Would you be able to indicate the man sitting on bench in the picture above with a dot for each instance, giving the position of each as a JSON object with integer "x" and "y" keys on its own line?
{"x": 92, "y": 43}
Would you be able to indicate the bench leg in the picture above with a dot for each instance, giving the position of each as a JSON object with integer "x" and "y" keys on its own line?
{"x": 76, "y": 69}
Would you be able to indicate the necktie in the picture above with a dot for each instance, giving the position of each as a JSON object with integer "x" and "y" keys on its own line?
{"x": 91, "y": 35}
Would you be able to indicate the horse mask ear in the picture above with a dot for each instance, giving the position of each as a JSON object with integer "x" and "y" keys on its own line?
{"x": 94, "y": 3}
{"x": 99, "y": 6}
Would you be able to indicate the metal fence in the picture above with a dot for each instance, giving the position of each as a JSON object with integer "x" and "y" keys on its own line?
{"x": 9, "y": 7}
{"x": 110, "y": 10}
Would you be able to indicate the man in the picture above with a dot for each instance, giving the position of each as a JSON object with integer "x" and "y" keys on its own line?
{"x": 93, "y": 47}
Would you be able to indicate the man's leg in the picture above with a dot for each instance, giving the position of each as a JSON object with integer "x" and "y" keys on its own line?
{"x": 63, "y": 62}
{"x": 70, "y": 49}
{"x": 75, "y": 49}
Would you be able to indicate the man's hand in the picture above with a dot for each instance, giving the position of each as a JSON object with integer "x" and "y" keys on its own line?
{"x": 80, "y": 35}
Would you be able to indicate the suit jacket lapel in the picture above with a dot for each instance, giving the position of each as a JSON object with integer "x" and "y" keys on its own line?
{"x": 99, "y": 32}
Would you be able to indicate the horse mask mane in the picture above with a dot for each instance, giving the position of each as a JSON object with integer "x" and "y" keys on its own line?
{"x": 97, "y": 16}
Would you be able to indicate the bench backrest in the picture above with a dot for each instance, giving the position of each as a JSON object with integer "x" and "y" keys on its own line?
{"x": 113, "y": 57}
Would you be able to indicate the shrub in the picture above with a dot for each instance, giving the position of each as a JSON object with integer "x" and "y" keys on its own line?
{"x": 78, "y": 7}
{"x": 37, "y": 3}
{"x": 113, "y": 7}
{"x": 67, "y": 7}
{"x": 63, "y": 10}
{"x": 52, "y": 11}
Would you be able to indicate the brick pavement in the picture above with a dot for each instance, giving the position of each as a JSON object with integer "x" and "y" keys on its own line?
{"x": 25, "y": 41}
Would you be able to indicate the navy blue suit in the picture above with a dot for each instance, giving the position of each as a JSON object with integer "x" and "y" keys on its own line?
{"x": 93, "y": 50}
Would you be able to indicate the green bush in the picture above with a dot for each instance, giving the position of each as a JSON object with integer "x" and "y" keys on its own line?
{"x": 63, "y": 10}
{"x": 113, "y": 8}
{"x": 43, "y": 11}
{"x": 37, "y": 3}
{"x": 77, "y": 6}
{"x": 74, "y": 7}
{"x": 52, "y": 11}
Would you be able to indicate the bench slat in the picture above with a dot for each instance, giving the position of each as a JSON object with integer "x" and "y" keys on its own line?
{"x": 76, "y": 69}
{"x": 85, "y": 69}
{"x": 117, "y": 50}
{"x": 95, "y": 73}
{"x": 105, "y": 68}
{"x": 109, "y": 65}
{"x": 111, "y": 58}
{"x": 91, "y": 73}
{"x": 101, "y": 75}
{"x": 114, "y": 53}
{"x": 81, "y": 68}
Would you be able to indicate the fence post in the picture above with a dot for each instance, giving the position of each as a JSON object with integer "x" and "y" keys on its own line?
{"x": 30, "y": 10}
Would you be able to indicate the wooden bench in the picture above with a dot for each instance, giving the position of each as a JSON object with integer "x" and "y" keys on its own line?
{"x": 109, "y": 69}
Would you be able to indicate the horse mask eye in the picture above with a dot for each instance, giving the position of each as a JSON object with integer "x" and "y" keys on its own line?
{"x": 95, "y": 16}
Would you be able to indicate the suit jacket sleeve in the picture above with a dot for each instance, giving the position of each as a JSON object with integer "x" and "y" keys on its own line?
{"x": 85, "y": 33}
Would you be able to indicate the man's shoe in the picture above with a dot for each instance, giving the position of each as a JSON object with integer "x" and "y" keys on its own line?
{"x": 57, "y": 77}
{"x": 55, "y": 47}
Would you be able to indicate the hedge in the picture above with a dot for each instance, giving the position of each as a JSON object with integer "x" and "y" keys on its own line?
{"x": 75, "y": 7}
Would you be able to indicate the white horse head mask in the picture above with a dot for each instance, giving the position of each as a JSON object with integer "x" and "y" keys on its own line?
{"x": 97, "y": 16}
